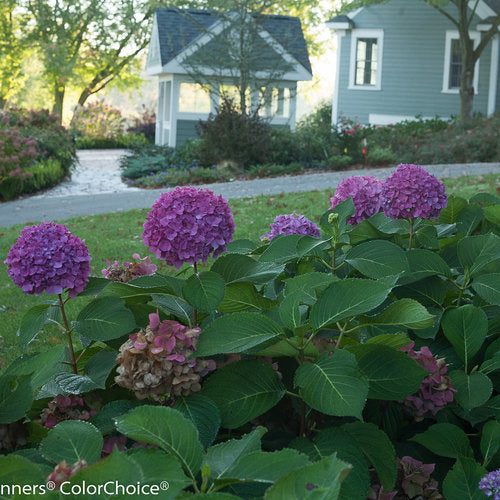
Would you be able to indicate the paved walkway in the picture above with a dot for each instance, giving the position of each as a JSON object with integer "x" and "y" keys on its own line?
{"x": 96, "y": 188}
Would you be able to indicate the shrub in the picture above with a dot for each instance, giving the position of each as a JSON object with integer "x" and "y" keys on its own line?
{"x": 340, "y": 162}
{"x": 144, "y": 125}
{"x": 98, "y": 121}
{"x": 380, "y": 156}
{"x": 234, "y": 137}
{"x": 359, "y": 364}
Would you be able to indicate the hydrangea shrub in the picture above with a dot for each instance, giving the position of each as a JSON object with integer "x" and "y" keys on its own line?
{"x": 280, "y": 371}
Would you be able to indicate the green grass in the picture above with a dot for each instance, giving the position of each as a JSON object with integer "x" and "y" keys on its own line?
{"x": 118, "y": 235}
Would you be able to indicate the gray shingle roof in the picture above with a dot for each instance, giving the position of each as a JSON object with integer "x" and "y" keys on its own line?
{"x": 178, "y": 28}
{"x": 494, "y": 4}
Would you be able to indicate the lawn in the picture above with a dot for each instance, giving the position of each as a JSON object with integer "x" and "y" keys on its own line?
{"x": 118, "y": 235}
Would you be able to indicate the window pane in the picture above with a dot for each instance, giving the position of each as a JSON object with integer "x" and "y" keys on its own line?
{"x": 233, "y": 92}
{"x": 366, "y": 61}
{"x": 455, "y": 64}
{"x": 193, "y": 98}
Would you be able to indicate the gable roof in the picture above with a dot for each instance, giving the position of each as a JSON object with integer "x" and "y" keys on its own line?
{"x": 180, "y": 28}
{"x": 486, "y": 9}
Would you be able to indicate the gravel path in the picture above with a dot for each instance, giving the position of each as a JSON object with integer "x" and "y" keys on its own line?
{"x": 96, "y": 188}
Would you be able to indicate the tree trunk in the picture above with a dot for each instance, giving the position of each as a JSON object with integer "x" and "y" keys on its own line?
{"x": 84, "y": 96}
{"x": 467, "y": 79}
{"x": 3, "y": 102}
{"x": 57, "y": 108}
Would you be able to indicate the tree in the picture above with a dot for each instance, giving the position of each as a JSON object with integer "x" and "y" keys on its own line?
{"x": 12, "y": 50}
{"x": 460, "y": 13}
{"x": 87, "y": 43}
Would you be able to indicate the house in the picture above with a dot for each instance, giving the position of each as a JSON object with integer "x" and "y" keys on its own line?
{"x": 193, "y": 54}
{"x": 401, "y": 58}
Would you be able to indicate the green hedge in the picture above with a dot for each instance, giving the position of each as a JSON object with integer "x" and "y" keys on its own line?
{"x": 44, "y": 174}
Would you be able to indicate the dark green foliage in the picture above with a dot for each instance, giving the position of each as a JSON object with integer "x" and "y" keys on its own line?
{"x": 230, "y": 136}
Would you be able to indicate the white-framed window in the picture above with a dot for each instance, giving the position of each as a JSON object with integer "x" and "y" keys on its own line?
{"x": 365, "y": 71}
{"x": 275, "y": 101}
{"x": 193, "y": 98}
{"x": 453, "y": 62}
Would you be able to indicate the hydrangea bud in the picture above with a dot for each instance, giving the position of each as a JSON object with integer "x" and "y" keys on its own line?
{"x": 436, "y": 390}
{"x": 291, "y": 224}
{"x": 411, "y": 192}
{"x": 188, "y": 225}
{"x": 47, "y": 257}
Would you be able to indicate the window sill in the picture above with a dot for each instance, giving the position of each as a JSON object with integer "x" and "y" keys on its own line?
{"x": 364, "y": 87}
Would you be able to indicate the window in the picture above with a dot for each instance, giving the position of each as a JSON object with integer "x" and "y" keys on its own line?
{"x": 275, "y": 102}
{"x": 193, "y": 98}
{"x": 366, "y": 59}
{"x": 232, "y": 92}
{"x": 453, "y": 62}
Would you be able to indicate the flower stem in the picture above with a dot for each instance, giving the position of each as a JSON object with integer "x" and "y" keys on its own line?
{"x": 195, "y": 312}
{"x": 68, "y": 335}
{"x": 412, "y": 221}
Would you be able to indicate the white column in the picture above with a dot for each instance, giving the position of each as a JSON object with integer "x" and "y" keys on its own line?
{"x": 335, "y": 102}
{"x": 174, "y": 109}
{"x": 293, "y": 106}
{"x": 492, "y": 93}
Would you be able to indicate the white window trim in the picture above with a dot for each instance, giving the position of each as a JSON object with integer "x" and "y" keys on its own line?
{"x": 453, "y": 35}
{"x": 366, "y": 33}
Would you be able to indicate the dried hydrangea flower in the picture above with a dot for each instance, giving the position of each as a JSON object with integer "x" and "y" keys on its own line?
{"x": 188, "y": 225}
{"x": 291, "y": 224}
{"x": 436, "y": 390}
{"x": 155, "y": 361}
{"x": 47, "y": 257}
{"x": 109, "y": 444}
{"x": 490, "y": 484}
{"x": 413, "y": 481}
{"x": 412, "y": 192}
{"x": 63, "y": 472}
{"x": 130, "y": 270}
{"x": 365, "y": 193}
{"x": 61, "y": 408}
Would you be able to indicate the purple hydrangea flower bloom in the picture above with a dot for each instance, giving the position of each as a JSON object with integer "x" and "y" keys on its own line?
{"x": 490, "y": 484}
{"x": 365, "y": 193}
{"x": 411, "y": 192}
{"x": 47, "y": 257}
{"x": 187, "y": 225}
{"x": 291, "y": 224}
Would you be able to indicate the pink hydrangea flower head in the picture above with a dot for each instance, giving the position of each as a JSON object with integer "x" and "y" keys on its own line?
{"x": 436, "y": 390}
{"x": 411, "y": 192}
{"x": 291, "y": 224}
{"x": 188, "y": 225}
{"x": 47, "y": 257}
{"x": 365, "y": 193}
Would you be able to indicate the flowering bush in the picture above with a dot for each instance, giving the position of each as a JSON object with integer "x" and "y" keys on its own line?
{"x": 412, "y": 192}
{"x": 98, "y": 121}
{"x": 291, "y": 224}
{"x": 188, "y": 225}
{"x": 365, "y": 193}
{"x": 295, "y": 369}
{"x": 490, "y": 484}
{"x": 48, "y": 258}
{"x": 16, "y": 153}
{"x": 130, "y": 270}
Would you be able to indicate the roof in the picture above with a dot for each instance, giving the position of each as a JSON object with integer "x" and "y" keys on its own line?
{"x": 493, "y": 4}
{"x": 179, "y": 28}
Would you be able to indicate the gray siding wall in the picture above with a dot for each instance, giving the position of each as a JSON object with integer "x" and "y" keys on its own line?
{"x": 412, "y": 65}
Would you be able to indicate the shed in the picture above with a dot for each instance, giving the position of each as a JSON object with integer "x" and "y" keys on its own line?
{"x": 190, "y": 52}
